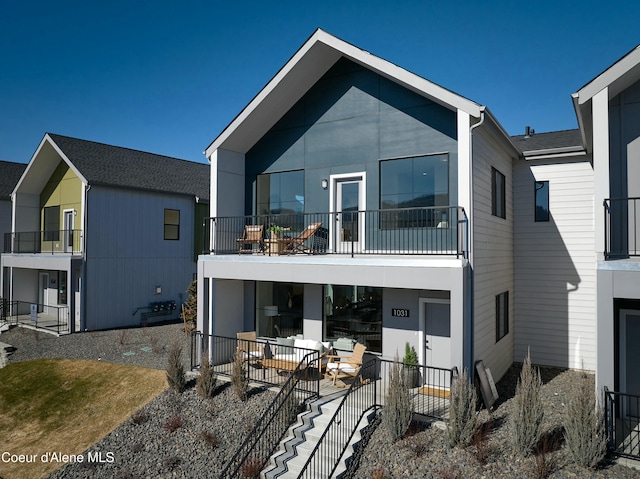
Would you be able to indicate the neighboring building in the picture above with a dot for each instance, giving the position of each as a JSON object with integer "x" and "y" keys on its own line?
{"x": 10, "y": 173}
{"x": 100, "y": 232}
{"x": 412, "y": 187}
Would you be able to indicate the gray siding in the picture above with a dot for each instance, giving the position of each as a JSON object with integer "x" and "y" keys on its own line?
{"x": 349, "y": 120}
{"x": 127, "y": 256}
{"x": 492, "y": 250}
{"x": 555, "y": 276}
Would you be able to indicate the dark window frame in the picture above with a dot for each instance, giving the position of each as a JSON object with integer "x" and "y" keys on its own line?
{"x": 259, "y": 203}
{"x": 51, "y": 223}
{"x": 171, "y": 230}
{"x": 498, "y": 194}
{"x": 541, "y": 211}
{"x": 502, "y": 315}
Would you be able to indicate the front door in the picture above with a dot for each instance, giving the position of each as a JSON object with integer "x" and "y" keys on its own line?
{"x": 436, "y": 333}
{"x": 348, "y": 208}
{"x": 68, "y": 231}
{"x": 630, "y": 356}
{"x": 43, "y": 292}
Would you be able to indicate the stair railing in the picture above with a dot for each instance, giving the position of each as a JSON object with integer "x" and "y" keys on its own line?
{"x": 359, "y": 399}
{"x": 254, "y": 453}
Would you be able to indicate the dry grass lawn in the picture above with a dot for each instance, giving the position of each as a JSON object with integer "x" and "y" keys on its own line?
{"x": 65, "y": 406}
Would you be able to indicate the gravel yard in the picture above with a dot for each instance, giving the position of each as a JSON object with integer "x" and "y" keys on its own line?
{"x": 150, "y": 445}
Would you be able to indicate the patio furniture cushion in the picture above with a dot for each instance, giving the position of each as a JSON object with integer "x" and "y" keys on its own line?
{"x": 284, "y": 345}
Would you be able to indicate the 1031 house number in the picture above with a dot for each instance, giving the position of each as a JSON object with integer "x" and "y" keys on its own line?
{"x": 400, "y": 313}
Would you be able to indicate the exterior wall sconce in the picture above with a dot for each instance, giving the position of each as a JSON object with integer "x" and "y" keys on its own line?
{"x": 325, "y": 183}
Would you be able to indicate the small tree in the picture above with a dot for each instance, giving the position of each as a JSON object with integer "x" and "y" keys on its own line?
{"x": 526, "y": 420}
{"x": 206, "y": 383}
{"x": 190, "y": 308}
{"x": 398, "y": 410}
{"x": 239, "y": 379}
{"x": 585, "y": 433}
{"x": 462, "y": 411}
{"x": 176, "y": 376}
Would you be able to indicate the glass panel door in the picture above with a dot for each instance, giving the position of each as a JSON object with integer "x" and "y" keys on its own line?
{"x": 348, "y": 215}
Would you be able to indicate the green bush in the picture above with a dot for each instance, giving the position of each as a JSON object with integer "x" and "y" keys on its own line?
{"x": 398, "y": 410}
{"x": 206, "y": 383}
{"x": 526, "y": 420}
{"x": 176, "y": 376}
{"x": 462, "y": 411}
{"x": 239, "y": 379}
{"x": 585, "y": 433}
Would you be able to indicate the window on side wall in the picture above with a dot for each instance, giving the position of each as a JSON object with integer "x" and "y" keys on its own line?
{"x": 498, "y": 197}
{"x": 171, "y": 224}
{"x": 542, "y": 200}
{"x": 51, "y": 220}
{"x": 412, "y": 189}
{"x": 502, "y": 315}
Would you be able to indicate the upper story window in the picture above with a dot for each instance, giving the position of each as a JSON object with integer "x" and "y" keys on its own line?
{"x": 51, "y": 222}
{"x": 498, "y": 194}
{"x": 417, "y": 182}
{"x": 542, "y": 200}
{"x": 171, "y": 224}
{"x": 280, "y": 193}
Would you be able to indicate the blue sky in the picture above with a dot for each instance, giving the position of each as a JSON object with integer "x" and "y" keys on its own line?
{"x": 168, "y": 76}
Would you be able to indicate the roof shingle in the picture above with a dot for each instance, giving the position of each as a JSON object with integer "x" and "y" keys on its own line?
{"x": 10, "y": 173}
{"x": 548, "y": 141}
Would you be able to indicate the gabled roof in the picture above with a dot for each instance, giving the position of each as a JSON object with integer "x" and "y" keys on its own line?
{"x": 101, "y": 164}
{"x": 319, "y": 53}
{"x": 618, "y": 77}
{"x": 10, "y": 173}
{"x": 550, "y": 143}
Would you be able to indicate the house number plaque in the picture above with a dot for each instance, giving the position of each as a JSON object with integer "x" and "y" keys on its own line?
{"x": 400, "y": 313}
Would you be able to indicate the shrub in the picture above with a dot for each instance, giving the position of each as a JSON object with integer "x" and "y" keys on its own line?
{"x": 378, "y": 473}
{"x": 210, "y": 438}
{"x": 585, "y": 433}
{"x": 480, "y": 440}
{"x": 398, "y": 411}
{"x": 206, "y": 383}
{"x": 526, "y": 420}
{"x": 239, "y": 380}
{"x": 173, "y": 423}
{"x": 251, "y": 468}
{"x": 139, "y": 417}
{"x": 175, "y": 370}
{"x": 462, "y": 411}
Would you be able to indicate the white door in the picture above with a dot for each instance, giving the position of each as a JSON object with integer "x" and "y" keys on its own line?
{"x": 348, "y": 207}
{"x": 68, "y": 231}
{"x": 43, "y": 291}
{"x": 630, "y": 356}
{"x": 436, "y": 333}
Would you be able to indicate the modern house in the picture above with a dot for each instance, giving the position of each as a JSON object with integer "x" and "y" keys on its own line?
{"x": 384, "y": 209}
{"x": 99, "y": 233}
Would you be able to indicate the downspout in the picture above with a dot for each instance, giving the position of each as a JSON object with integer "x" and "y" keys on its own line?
{"x": 470, "y": 253}
{"x": 83, "y": 279}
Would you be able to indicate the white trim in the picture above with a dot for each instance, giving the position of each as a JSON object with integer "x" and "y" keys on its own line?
{"x": 362, "y": 200}
{"x": 610, "y": 76}
{"x": 600, "y": 105}
{"x": 66, "y": 231}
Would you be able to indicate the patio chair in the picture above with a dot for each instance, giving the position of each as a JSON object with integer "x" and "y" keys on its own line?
{"x": 252, "y": 236}
{"x": 248, "y": 347}
{"x": 297, "y": 244}
{"x": 345, "y": 367}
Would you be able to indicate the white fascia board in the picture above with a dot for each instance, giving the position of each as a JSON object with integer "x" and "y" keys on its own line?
{"x": 613, "y": 77}
{"x": 306, "y": 66}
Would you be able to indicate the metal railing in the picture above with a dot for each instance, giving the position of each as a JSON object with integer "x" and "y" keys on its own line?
{"x": 39, "y": 316}
{"x": 409, "y": 231}
{"x": 622, "y": 421}
{"x": 259, "y": 370}
{"x": 254, "y": 453}
{"x": 621, "y": 227}
{"x": 50, "y": 242}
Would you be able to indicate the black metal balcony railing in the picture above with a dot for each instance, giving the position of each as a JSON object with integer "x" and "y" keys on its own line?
{"x": 622, "y": 420}
{"x": 51, "y": 242}
{"x": 410, "y": 231}
{"x": 38, "y": 316}
{"x": 621, "y": 227}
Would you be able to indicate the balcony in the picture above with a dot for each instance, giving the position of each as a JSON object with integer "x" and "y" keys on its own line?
{"x": 440, "y": 231}
{"x": 621, "y": 228}
{"x": 44, "y": 242}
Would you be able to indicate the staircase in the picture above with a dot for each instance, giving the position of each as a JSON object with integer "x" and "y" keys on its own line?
{"x": 297, "y": 446}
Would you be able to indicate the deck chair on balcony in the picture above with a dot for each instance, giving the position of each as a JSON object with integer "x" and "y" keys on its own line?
{"x": 345, "y": 367}
{"x": 252, "y": 237}
{"x": 247, "y": 346}
{"x": 297, "y": 244}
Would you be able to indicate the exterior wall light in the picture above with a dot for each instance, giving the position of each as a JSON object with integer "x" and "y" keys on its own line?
{"x": 325, "y": 183}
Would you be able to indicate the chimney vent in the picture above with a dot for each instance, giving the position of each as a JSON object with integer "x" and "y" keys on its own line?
{"x": 528, "y": 132}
